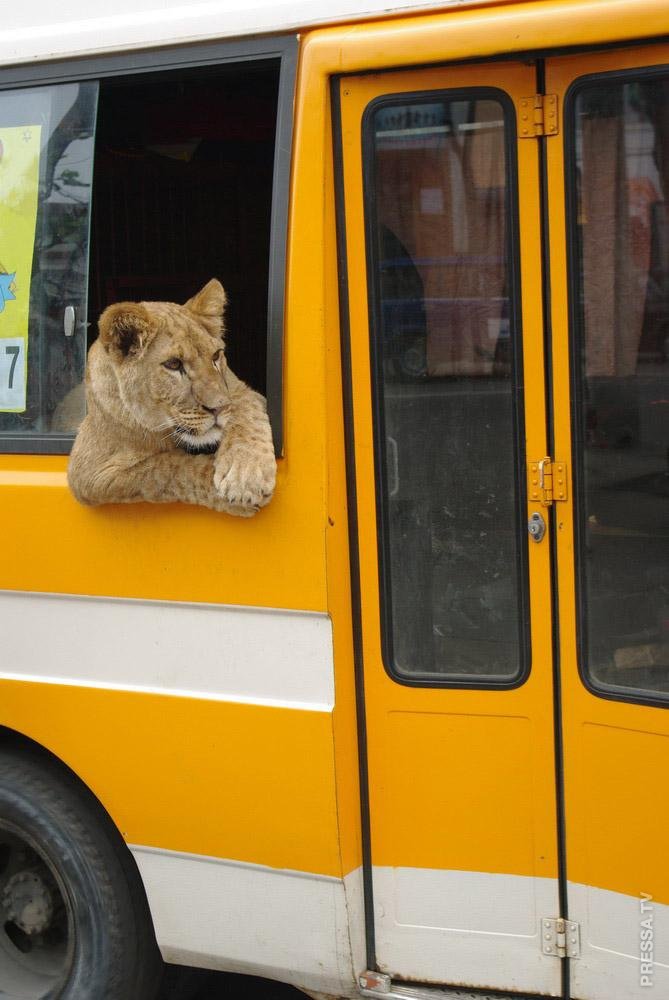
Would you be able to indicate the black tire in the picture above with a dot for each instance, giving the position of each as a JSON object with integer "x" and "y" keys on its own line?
{"x": 74, "y": 921}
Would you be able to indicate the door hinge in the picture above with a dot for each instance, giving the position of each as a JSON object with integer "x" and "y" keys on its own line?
{"x": 538, "y": 115}
{"x": 561, "y": 938}
{"x": 546, "y": 481}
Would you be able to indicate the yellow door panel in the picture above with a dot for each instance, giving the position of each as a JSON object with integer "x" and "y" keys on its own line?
{"x": 440, "y": 739}
{"x": 608, "y": 177}
{"x": 448, "y": 404}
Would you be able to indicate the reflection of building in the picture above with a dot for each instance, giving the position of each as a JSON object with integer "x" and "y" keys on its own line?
{"x": 623, "y": 232}
{"x": 441, "y": 191}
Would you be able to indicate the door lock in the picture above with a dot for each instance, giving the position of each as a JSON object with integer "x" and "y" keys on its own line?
{"x": 536, "y": 527}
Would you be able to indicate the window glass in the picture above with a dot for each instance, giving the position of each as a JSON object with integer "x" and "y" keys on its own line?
{"x": 443, "y": 332}
{"x": 46, "y": 175}
{"x": 620, "y": 136}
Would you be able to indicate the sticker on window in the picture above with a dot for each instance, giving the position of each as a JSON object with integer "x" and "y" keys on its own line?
{"x": 19, "y": 181}
{"x": 12, "y": 373}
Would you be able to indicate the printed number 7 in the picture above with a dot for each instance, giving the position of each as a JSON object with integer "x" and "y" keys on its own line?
{"x": 15, "y": 351}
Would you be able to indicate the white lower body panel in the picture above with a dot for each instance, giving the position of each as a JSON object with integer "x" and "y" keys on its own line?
{"x": 465, "y": 928}
{"x": 624, "y": 945}
{"x": 483, "y": 930}
{"x": 287, "y": 925}
{"x": 448, "y": 928}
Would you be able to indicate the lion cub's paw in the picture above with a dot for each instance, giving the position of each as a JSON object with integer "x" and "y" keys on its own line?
{"x": 238, "y": 511}
{"x": 244, "y": 477}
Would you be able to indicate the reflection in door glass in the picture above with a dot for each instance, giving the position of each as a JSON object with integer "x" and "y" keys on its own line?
{"x": 621, "y": 223}
{"x": 447, "y": 433}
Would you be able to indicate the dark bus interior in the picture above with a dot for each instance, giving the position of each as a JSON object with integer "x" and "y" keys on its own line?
{"x": 182, "y": 193}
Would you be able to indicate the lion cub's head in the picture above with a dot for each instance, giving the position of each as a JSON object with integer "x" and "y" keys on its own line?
{"x": 170, "y": 365}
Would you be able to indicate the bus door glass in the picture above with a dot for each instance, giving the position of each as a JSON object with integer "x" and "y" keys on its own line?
{"x": 447, "y": 383}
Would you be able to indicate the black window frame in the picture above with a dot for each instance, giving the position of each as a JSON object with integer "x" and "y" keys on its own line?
{"x": 609, "y": 692}
{"x": 282, "y": 48}
{"x": 481, "y": 682}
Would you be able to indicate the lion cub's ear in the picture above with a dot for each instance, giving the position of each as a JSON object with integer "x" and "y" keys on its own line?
{"x": 209, "y": 305}
{"x": 125, "y": 330}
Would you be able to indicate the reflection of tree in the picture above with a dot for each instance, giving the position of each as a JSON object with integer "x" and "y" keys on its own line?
{"x": 77, "y": 123}
{"x": 68, "y": 179}
{"x": 60, "y": 261}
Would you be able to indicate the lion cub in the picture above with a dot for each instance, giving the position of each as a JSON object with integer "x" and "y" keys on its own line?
{"x": 167, "y": 420}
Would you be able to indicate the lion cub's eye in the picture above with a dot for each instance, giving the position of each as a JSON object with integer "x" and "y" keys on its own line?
{"x": 216, "y": 358}
{"x": 174, "y": 364}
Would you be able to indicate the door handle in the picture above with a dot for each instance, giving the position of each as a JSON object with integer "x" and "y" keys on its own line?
{"x": 69, "y": 319}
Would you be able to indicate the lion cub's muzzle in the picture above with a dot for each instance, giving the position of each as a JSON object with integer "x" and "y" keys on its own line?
{"x": 200, "y": 432}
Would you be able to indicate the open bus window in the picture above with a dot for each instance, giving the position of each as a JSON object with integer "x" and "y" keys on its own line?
{"x": 138, "y": 187}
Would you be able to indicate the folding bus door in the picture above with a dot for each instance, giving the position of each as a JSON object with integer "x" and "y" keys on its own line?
{"x": 440, "y": 218}
{"x": 608, "y": 185}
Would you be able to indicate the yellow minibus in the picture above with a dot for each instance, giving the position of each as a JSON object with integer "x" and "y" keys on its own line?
{"x": 404, "y": 732}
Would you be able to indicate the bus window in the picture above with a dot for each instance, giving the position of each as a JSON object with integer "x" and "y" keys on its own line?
{"x": 142, "y": 187}
{"x": 445, "y": 357}
{"x": 620, "y": 228}
{"x": 46, "y": 170}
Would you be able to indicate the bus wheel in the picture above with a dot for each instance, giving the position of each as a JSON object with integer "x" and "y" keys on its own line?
{"x": 74, "y": 923}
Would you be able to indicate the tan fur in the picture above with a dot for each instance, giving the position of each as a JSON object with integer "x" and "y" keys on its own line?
{"x": 138, "y": 409}
{"x": 70, "y": 411}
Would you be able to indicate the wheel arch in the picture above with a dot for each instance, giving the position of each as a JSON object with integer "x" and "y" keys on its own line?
{"x": 13, "y": 741}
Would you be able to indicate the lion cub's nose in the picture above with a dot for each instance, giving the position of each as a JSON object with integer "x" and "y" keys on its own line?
{"x": 214, "y": 410}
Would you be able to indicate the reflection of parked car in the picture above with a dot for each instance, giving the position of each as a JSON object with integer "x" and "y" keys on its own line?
{"x": 654, "y": 345}
{"x": 402, "y": 309}
{"x": 405, "y": 339}
{"x": 465, "y": 333}
{"x": 469, "y": 335}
